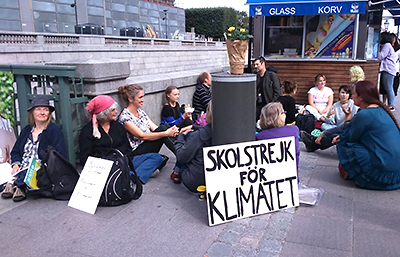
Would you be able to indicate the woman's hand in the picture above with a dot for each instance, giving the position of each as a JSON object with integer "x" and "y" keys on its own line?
{"x": 186, "y": 129}
{"x": 186, "y": 115}
{"x": 172, "y": 131}
{"x": 347, "y": 113}
{"x": 319, "y": 111}
{"x": 332, "y": 112}
{"x": 318, "y": 139}
{"x": 15, "y": 169}
{"x": 336, "y": 140}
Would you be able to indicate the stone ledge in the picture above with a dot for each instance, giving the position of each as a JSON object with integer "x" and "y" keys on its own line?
{"x": 157, "y": 83}
{"x": 101, "y": 70}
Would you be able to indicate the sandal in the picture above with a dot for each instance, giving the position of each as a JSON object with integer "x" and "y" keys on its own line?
{"x": 176, "y": 178}
{"x": 19, "y": 195}
{"x": 8, "y": 191}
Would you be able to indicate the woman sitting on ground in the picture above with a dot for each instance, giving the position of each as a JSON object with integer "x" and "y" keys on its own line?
{"x": 103, "y": 133}
{"x": 356, "y": 74}
{"x": 144, "y": 135}
{"x": 336, "y": 114}
{"x": 35, "y": 137}
{"x": 320, "y": 98}
{"x": 171, "y": 112}
{"x": 272, "y": 121}
{"x": 366, "y": 149}
{"x": 189, "y": 154}
{"x": 288, "y": 102}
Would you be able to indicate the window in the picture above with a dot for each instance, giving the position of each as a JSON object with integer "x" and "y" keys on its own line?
{"x": 283, "y": 36}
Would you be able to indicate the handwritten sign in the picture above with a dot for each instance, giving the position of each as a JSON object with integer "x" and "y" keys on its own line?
{"x": 90, "y": 185}
{"x": 251, "y": 178}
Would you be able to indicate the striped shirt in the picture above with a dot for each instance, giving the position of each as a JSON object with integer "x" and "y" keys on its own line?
{"x": 201, "y": 98}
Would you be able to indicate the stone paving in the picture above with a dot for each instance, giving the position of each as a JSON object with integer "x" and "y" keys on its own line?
{"x": 169, "y": 221}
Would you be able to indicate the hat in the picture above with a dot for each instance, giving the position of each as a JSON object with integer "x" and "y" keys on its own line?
{"x": 99, "y": 104}
{"x": 95, "y": 106}
{"x": 40, "y": 100}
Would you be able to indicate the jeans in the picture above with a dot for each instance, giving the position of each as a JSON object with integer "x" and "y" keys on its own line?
{"x": 387, "y": 82}
{"x": 146, "y": 164}
{"x": 326, "y": 126}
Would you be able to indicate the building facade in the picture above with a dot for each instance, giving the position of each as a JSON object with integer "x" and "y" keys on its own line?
{"x": 108, "y": 17}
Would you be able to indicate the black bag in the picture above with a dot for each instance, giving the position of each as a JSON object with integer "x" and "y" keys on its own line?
{"x": 57, "y": 177}
{"x": 305, "y": 122}
{"x": 119, "y": 188}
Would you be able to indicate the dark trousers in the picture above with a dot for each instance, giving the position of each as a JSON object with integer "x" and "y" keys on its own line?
{"x": 329, "y": 135}
{"x": 155, "y": 146}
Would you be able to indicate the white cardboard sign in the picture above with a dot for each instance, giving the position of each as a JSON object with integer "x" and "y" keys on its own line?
{"x": 90, "y": 185}
{"x": 251, "y": 178}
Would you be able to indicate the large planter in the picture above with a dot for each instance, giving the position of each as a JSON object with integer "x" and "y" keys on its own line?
{"x": 237, "y": 55}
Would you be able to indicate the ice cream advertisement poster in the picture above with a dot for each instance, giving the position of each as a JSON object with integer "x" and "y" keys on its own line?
{"x": 331, "y": 38}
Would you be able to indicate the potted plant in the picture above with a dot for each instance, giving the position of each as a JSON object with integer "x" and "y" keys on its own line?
{"x": 237, "y": 41}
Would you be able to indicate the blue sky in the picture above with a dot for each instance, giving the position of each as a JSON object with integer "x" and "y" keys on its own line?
{"x": 235, "y": 4}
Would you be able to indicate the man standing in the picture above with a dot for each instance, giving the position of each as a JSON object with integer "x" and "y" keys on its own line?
{"x": 268, "y": 84}
{"x": 202, "y": 95}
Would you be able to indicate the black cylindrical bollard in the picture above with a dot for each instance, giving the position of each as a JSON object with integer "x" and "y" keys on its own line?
{"x": 233, "y": 107}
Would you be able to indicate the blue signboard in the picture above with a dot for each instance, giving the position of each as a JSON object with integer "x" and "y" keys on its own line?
{"x": 289, "y": 8}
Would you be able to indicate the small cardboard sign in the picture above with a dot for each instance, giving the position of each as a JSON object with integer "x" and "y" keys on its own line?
{"x": 249, "y": 179}
{"x": 90, "y": 185}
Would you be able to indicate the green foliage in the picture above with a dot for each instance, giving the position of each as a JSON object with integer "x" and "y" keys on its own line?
{"x": 212, "y": 22}
{"x": 238, "y": 34}
{"x": 7, "y": 95}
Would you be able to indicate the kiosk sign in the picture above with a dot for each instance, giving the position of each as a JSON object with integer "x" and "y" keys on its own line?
{"x": 251, "y": 178}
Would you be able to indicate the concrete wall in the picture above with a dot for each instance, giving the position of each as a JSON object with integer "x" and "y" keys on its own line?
{"x": 107, "y": 62}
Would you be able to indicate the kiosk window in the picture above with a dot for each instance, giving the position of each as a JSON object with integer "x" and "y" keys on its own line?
{"x": 283, "y": 36}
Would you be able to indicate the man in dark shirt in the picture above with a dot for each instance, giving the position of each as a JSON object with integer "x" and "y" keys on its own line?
{"x": 202, "y": 95}
{"x": 268, "y": 84}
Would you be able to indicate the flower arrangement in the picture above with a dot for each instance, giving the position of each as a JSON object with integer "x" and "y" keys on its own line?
{"x": 237, "y": 34}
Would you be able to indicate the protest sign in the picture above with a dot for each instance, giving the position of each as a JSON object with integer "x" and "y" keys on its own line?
{"x": 251, "y": 178}
{"x": 90, "y": 185}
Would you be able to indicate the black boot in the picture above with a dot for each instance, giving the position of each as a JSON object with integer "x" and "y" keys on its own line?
{"x": 309, "y": 141}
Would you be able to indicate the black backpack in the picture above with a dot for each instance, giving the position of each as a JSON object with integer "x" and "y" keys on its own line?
{"x": 57, "y": 177}
{"x": 305, "y": 122}
{"x": 119, "y": 188}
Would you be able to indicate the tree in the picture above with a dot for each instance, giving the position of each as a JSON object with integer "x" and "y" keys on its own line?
{"x": 7, "y": 95}
{"x": 242, "y": 20}
{"x": 213, "y": 22}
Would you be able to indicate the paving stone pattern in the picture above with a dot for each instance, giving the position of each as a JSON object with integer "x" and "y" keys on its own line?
{"x": 169, "y": 221}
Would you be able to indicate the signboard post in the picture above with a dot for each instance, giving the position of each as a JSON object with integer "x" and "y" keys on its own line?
{"x": 251, "y": 178}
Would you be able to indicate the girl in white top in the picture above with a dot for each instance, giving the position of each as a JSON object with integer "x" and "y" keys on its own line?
{"x": 320, "y": 98}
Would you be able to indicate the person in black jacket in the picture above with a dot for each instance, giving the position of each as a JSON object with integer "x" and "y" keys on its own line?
{"x": 102, "y": 133}
{"x": 189, "y": 154}
{"x": 268, "y": 84}
{"x": 40, "y": 133}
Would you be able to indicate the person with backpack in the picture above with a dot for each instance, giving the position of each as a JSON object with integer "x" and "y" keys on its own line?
{"x": 40, "y": 133}
{"x": 268, "y": 84}
{"x": 103, "y": 134}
